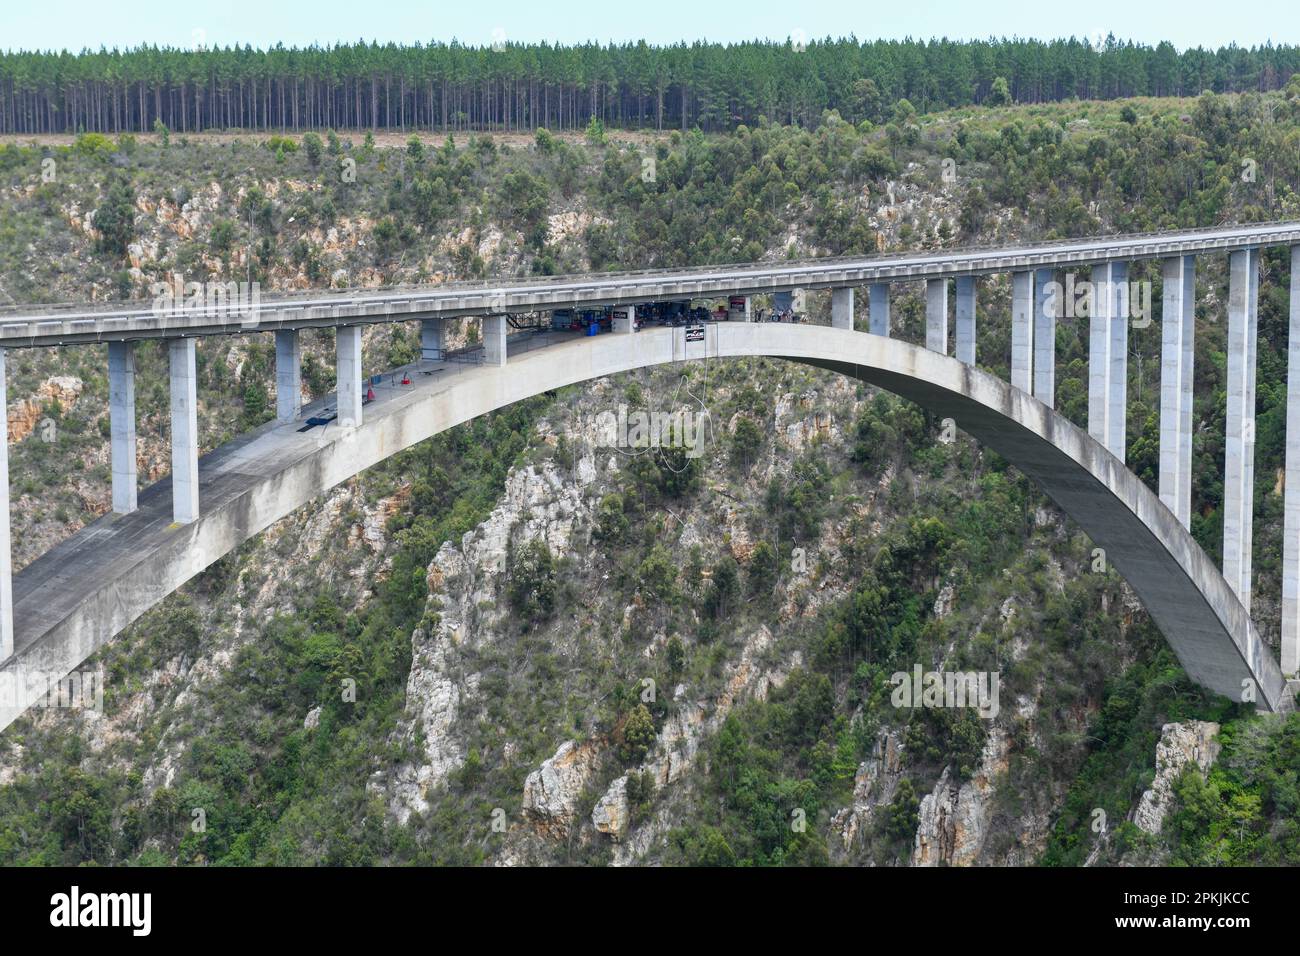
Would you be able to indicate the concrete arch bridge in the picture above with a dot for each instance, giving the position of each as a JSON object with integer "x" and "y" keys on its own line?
{"x": 69, "y": 602}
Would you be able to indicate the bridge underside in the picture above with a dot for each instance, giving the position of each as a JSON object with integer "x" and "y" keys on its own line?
{"x": 76, "y": 597}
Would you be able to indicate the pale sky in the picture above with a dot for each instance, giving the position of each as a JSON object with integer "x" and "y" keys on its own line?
{"x": 74, "y": 24}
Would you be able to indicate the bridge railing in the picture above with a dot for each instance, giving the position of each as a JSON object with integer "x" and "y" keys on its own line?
{"x": 349, "y": 297}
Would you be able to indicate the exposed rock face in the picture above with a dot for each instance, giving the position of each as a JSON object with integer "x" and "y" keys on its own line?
{"x": 551, "y": 792}
{"x": 23, "y": 416}
{"x": 463, "y": 582}
{"x": 611, "y": 812}
{"x": 953, "y": 821}
{"x": 873, "y": 786}
{"x": 1180, "y": 744}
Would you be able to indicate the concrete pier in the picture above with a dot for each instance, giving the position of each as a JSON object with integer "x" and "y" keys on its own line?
{"x": 494, "y": 339}
{"x": 1171, "y": 382}
{"x": 936, "y": 315}
{"x": 288, "y": 375}
{"x": 1022, "y": 330}
{"x": 6, "y": 559}
{"x": 879, "y": 308}
{"x": 349, "y": 381}
{"x": 1117, "y": 402}
{"x": 966, "y": 319}
{"x": 432, "y": 339}
{"x": 121, "y": 417}
{"x": 1248, "y": 505}
{"x": 1238, "y": 493}
{"x": 1187, "y": 399}
{"x": 1099, "y": 306}
{"x": 185, "y": 431}
{"x": 1046, "y": 304}
{"x": 1291, "y": 498}
{"x": 842, "y": 308}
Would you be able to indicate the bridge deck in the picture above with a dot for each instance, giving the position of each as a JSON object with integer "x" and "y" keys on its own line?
{"x": 26, "y": 326}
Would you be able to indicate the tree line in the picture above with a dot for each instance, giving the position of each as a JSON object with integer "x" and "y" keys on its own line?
{"x": 512, "y": 86}
{"x": 564, "y": 87}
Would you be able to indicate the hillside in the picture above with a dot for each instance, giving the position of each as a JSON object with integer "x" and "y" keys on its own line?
{"x": 563, "y": 653}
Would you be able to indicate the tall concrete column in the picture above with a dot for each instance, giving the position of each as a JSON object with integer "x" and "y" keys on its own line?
{"x": 966, "y": 319}
{"x": 1171, "y": 382}
{"x": 936, "y": 315}
{"x": 351, "y": 386}
{"x": 1022, "y": 330}
{"x": 494, "y": 339}
{"x": 879, "y": 307}
{"x": 1238, "y": 468}
{"x": 1045, "y": 305}
{"x": 6, "y": 566}
{"x": 121, "y": 419}
{"x": 1117, "y": 403}
{"x": 842, "y": 308}
{"x": 185, "y": 431}
{"x": 431, "y": 340}
{"x": 1248, "y": 505}
{"x": 1099, "y": 307}
{"x": 1187, "y": 398}
{"x": 288, "y": 375}
{"x": 1291, "y": 498}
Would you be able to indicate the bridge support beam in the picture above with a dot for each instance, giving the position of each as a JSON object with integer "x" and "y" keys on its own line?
{"x": 1117, "y": 402}
{"x": 185, "y": 431}
{"x": 6, "y": 565}
{"x": 431, "y": 340}
{"x": 842, "y": 308}
{"x": 351, "y": 387}
{"x": 1046, "y": 301}
{"x": 1187, "y": 397}
{"x": 1022, "y": 330}
{"x": 936, "y": 315}
{"x": 494, "y": 339}
{"x": 1172, "y": 330}
{"x": 121, "y": 418}
{"x": 1291, "y": 500}
{"x": 1239, "y": 456}
{"x": 1099, "y": 309}
{"x": 879, "y": 307}
{"x": 966, "y": 319}
{"x": 288, "y": 375}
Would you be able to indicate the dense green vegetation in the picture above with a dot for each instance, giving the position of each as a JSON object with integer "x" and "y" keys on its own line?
{"x": 273, "y": 791}
{"x": 632, "y": 85}
{"x": 1102, "y": 685}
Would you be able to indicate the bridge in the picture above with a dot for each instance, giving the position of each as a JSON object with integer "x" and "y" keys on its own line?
{"x": 69, "y": 602}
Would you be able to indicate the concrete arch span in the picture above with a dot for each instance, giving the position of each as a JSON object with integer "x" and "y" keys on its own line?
{"x": 256, "y": 480}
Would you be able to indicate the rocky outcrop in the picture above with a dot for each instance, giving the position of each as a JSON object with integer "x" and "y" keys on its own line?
{"x": 1192, "y": 743}
{"x": 611, "y": 812}
{"x": 24, "y": 416}
{"x": 551, "y": 792}
{"x": 953, "y": 820}
{"x": 873, "y": 786}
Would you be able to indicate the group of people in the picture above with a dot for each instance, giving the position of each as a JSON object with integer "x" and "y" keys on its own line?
{"x": 780, "y": 315}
